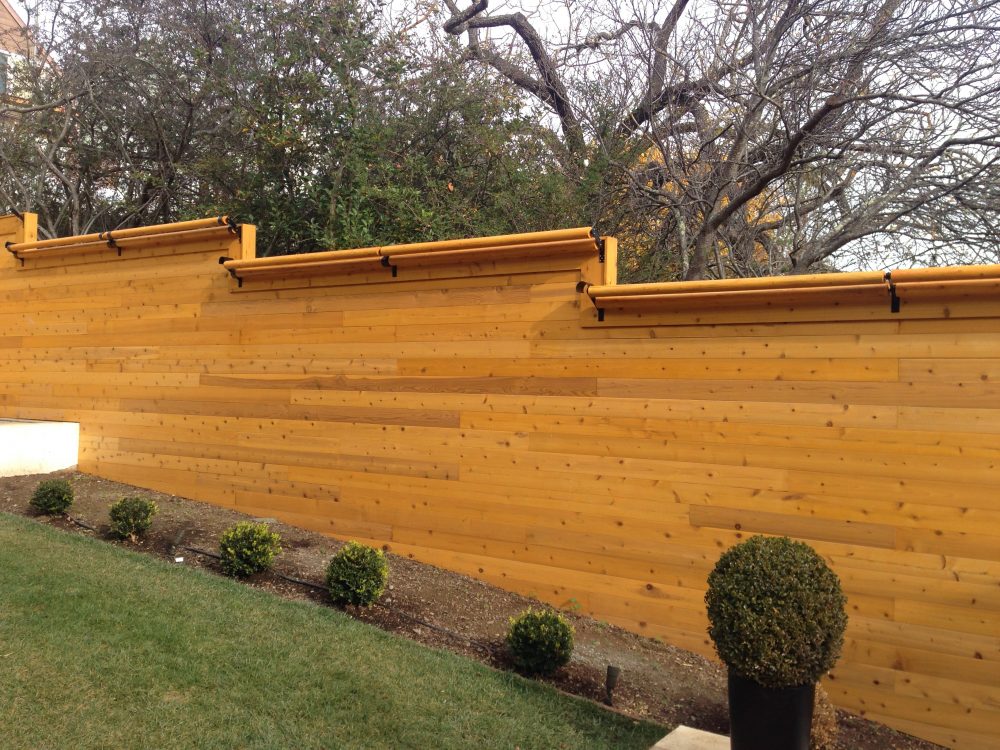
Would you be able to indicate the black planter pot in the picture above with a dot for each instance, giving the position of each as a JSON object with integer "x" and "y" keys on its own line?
{"x": 764, "y": 718}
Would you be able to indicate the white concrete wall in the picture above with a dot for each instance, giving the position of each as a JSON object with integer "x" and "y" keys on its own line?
{"x": 37, "y": 447}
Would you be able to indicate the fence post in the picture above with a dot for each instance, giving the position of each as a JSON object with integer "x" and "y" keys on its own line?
{"x": 16, "y": 228}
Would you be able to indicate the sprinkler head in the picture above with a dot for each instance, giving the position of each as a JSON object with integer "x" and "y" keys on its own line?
{"x": 610, "y": 683}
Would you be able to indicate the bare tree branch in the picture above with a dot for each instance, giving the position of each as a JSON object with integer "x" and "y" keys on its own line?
{"x": 548, "y": 87}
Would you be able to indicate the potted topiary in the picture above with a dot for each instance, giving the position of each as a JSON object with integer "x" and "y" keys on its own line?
{"x": 777, "y": 617}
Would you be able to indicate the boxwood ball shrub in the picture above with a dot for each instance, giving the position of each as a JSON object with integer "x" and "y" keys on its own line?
{"x": 776, "y": 612}
{"x": 52, "y": 496}
{"x": 131, "y": 517}
{"x": 357, "y": 574}
{"x": 540, "y": 641}
{"x": 249, "y": 548}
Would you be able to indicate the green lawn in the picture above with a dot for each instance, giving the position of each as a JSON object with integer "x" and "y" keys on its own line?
{"x": 103, "y": 648}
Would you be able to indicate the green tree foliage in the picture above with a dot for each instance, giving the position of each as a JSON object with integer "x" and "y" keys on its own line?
{"x": 316, "y": 120}
{"x": 454, "y": 157}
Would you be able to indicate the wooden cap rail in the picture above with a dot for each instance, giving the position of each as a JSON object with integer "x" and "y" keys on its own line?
{"x": 526, "y": 250}
{"x": 118, "y": 239}
{"x": 579, "y": 241}
{"x": 891, "y": 287}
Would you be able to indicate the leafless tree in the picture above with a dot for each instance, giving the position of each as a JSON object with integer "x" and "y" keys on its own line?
{"x": 751, "y": 137}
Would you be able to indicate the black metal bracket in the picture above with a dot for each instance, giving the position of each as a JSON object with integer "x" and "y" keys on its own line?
{"x": 13, "y": 252}
{"x": 599, "y": 241}
{"x": 582, "y": 287}
{"x": 601, "y": 255}
{"x": 894, "y": 301}
{"x": 232, "y": 272}
{"x": 111, "y": 243}
{"x": 387, "y": 262}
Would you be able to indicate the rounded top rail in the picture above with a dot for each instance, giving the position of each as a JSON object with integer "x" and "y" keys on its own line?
{"x": 120, "y": 234}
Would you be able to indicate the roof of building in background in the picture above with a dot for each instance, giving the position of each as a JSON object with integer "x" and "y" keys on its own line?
{"x": 12, "y": 29}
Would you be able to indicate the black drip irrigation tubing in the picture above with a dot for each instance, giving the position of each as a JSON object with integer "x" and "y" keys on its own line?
{"x": 83, "y": 524}
{"x": 488, "y": 648}
{"x": 481, "y": 645}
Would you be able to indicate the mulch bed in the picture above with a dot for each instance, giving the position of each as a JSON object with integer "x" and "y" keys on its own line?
{"x": 446, "y": 610}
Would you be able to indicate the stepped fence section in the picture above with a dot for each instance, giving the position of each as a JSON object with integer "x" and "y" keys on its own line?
{"x": 501, "y": 407}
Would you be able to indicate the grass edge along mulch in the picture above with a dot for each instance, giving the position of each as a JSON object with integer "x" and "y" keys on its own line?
{"x": 104, "y": 647}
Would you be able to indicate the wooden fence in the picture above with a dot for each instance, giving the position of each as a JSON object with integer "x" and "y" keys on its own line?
{"x": 501, "y": 408}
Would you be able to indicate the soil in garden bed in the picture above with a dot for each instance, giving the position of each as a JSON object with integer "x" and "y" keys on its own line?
{"x": 447, "y": 610}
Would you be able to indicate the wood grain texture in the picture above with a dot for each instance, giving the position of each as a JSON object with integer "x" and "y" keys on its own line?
{"x": 479, "y": 417}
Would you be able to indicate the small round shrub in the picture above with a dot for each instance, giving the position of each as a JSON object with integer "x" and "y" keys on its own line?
{"x": 52, "y": 496}
{"x": 540, "y": 641}
{"x": 131, "y": 517}
{"x": 776, "y": 612}
{"x": 249, "y": 548}
{"x": 357, "y": 574}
